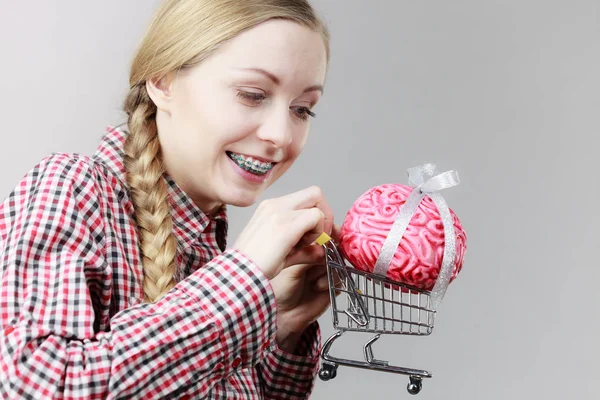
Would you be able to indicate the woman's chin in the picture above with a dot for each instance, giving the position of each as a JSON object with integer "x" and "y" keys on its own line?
{"x": 241, "y": 198}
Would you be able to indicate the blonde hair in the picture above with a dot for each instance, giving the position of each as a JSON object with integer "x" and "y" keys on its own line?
{"x": 181, "y": 35}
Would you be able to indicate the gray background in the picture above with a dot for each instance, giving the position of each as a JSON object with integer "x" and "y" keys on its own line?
{"x": 505, "y": 92}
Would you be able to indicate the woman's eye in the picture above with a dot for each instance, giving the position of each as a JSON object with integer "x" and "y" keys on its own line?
{"x": 303, "y": 112}
{"x": 251, "y": 98}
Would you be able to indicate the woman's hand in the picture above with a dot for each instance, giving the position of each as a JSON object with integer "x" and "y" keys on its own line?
{"x": 278, "y": 239}
{"x": 281, "y": 228}
{"x": 302, "y": 293}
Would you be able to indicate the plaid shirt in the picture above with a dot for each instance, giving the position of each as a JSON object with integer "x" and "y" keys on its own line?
{"x": 73, "y": 325}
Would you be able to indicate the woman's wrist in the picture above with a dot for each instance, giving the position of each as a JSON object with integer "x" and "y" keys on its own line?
{"x": 287, "y": 341}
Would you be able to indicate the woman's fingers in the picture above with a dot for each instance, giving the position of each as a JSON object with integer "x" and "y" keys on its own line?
{"x": 335, "y": 233}
{"x": 322, "y": 282}
{"x": 309, "y": 198}
{"x": 280, "y": 229}
{"x": 312, "y": 254}
{"x": 312, "y": 221}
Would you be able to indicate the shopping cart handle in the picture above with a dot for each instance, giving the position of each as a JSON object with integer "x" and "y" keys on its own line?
{"x": 337, "y": 266}
{"x": 322, "y": 239}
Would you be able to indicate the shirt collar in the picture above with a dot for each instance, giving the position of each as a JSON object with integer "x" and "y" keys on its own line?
{"x": 189, "y": 221}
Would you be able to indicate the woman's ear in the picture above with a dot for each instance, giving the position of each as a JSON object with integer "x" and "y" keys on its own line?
{"x": 159, "y": 90}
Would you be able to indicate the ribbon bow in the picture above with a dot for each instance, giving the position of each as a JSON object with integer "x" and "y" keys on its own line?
{"x": 425, "y": 184}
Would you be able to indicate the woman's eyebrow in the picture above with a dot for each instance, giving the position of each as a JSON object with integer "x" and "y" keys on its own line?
{"x": 266, "y": 73}
{"x": 277, "y": 81}
{"x": 314, "y": 88}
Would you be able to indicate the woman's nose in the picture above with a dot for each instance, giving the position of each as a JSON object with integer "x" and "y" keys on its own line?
{"x": 277, "y": 129}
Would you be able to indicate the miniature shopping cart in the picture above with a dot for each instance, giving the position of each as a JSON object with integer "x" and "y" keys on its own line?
{"x": 373, "y": 304}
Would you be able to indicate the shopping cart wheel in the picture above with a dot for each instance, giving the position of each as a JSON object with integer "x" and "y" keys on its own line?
{"x": 328, "y": 371}
{"x": 415, "y": 385}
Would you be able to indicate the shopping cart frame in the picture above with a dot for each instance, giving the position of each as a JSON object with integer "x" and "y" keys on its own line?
{"x": 369, "y": 303}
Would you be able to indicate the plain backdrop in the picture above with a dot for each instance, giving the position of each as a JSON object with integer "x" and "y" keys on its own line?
{"x": 505, "y": 92}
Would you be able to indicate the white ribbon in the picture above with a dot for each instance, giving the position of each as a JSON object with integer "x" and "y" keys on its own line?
{"x": 425, "y": 184}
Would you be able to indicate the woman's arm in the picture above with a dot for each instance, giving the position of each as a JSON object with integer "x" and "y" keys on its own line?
{"x": 55, "y": 272}
{"x": 286, "y": 375}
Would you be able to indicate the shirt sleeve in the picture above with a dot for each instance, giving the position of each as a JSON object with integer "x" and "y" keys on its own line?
{"x": 54, "y": 270}
{"x": 292, "y": 376}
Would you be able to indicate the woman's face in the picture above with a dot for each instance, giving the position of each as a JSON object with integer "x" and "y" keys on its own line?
{"x": 232, "y": 125}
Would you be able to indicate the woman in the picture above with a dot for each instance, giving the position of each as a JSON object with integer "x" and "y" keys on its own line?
{"x": 116, "y": 281}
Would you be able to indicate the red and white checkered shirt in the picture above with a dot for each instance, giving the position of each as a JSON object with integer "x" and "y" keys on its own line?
{"x": 73, "y": 325}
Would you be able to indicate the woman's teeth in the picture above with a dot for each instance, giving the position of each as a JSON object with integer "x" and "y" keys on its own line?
{"x": 249, "y": 164}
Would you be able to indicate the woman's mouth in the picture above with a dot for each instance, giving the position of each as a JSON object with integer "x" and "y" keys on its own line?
{"x": 249, "y": 164}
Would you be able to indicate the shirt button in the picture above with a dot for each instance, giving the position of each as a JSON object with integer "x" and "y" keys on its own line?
{"x": 266, "y": 345}
{"x": 237, "y": 362}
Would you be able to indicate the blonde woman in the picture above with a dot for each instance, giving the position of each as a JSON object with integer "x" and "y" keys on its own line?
{"x": 116, "y": 281}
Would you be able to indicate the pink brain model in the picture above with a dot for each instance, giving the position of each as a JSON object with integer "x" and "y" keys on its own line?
{"x": 418, "y": 258}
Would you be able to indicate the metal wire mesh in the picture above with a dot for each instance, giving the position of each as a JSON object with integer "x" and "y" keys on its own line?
{"x": 390, "y": 307}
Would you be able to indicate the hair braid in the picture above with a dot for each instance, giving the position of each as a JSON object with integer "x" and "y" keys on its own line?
{"x": 144, "y": 169}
